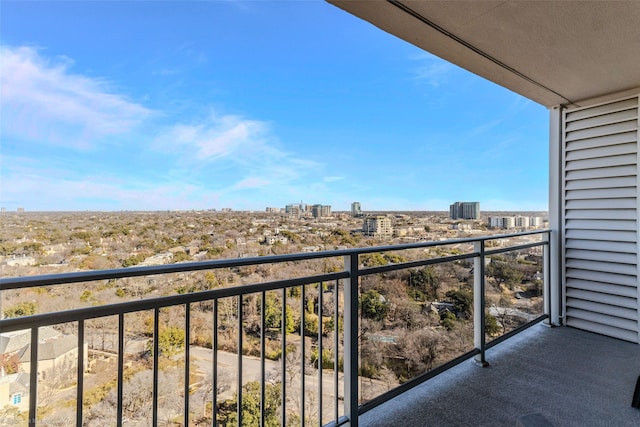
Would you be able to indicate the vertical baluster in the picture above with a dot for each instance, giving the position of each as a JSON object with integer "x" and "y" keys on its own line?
{"x": 33, "y": 378}
{"x": 263, "y": 306}
{"x": 121, "y": 350}
{"x": 214, "y": 350}
{"x": 239, "y": 394}
{"x": 337, "y": 353}
{"x": 187, "y": 350}
{"x": 284, "y": 357}
{"x": 156, "y": 351}
{"x": 302, "y": 354}
{"x": 320, "y": 349}
{"x": 80, "y": 373}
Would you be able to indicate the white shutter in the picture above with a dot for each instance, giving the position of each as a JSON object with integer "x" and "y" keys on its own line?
{"x": 600, "y": 215}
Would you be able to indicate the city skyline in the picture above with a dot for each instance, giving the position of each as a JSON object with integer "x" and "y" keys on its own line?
{"x": 244, "y": 105}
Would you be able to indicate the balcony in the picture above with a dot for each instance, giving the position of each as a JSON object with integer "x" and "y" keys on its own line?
{"x": 149, "y": 356}
{"x": 541, "y": 377}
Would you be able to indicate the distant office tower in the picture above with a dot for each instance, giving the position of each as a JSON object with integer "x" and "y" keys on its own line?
{"x": 377, "y": 226}
{"x": 273, "y": 210}
{"x": 465, "y": 210}
{"x": 298, "y": 209}
{"x": 321, "y": 211}
{"x": 292, "y": 210}
{"x": 356, "y": 209}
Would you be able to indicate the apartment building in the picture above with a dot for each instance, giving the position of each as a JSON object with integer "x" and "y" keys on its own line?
{"x": 465, "y": 210}
{"x": 356, "y": 209}
{"x": 377, "y": 226}
{"x": 321, "y": 211}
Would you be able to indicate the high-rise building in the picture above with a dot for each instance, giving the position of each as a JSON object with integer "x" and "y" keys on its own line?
{"x": 292, "y": 210}
{"x": 377, "y": 226}
{"x": 356, "y": 210}
{"x": 522, "y": 221}
{"x": 465, "y": 210}
{"x": 321, "y": 211}
{"x": 297, "y": 209}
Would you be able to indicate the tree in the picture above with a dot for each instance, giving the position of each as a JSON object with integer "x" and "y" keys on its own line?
{"x": 377, "y": 259}
{"x": 420, "y": 349}
{"x": 502, "y": 272}
{"x": 406, "y": 315}
{"x": 426, "y": 280}
{"x": 10, "y": 362}
{"x": 373, "y": 305}
{"x": 11, "y": 416}
{"x": 448, "y": 320}
{"x": 228, "y": 415}
{"x": 273, "y": 314}
{"x": 491, "y": 326}
{"x": 373, "y": 260}
{"x": 462, "y": 300}
{"x": 502, "y": 309}
{"x": 26, "y": 308}
{"x": 170, "y": 340}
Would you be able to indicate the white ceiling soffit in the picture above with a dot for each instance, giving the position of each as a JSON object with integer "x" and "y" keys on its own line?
{"x": 553, "y": 52}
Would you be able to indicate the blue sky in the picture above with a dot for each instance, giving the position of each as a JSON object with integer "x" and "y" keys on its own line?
{"x": 204, "y": 105}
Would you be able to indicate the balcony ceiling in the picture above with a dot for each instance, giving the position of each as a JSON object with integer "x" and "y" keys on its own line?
{"x": 553, "y": 52}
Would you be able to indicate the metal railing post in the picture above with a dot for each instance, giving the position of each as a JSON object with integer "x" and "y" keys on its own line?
{"x": 33, "y": 378}
{"x": 80, "y": 373}
{"x": 479, "y": 339}
{"x": 351, "y": 340}
{"x": 546, "y": 277}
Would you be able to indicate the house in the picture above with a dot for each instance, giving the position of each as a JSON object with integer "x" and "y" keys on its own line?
{"x": 57, "y": 352}
{"x": 14, "y": 390}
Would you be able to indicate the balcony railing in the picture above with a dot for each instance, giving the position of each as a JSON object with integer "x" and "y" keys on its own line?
{"x": 284, "y": 386}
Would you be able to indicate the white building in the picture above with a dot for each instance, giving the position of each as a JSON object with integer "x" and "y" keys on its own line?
{"x": 522, "y": 221}
{"x": 378, "y": 226}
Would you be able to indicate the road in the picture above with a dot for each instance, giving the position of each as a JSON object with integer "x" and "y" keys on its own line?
{"x": 202, "y": 358}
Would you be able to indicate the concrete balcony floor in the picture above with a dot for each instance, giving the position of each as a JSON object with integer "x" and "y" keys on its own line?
{"x": 570, "y": 377}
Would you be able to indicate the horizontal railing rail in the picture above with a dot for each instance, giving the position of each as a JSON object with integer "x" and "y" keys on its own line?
{"x": 349, "y": 278}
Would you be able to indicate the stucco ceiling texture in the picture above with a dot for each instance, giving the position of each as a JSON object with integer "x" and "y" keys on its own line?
{"x": 553, "y": 52}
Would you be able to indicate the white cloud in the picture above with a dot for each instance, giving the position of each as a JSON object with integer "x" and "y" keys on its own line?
{"x": 183, "y": 165}
{"x": 253, "y": 182}
{"x": 216, "y": 137}
{"x": 431, "y": 69}
{"x": 42, "y": 100}
{"x": 242, "y": 146}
